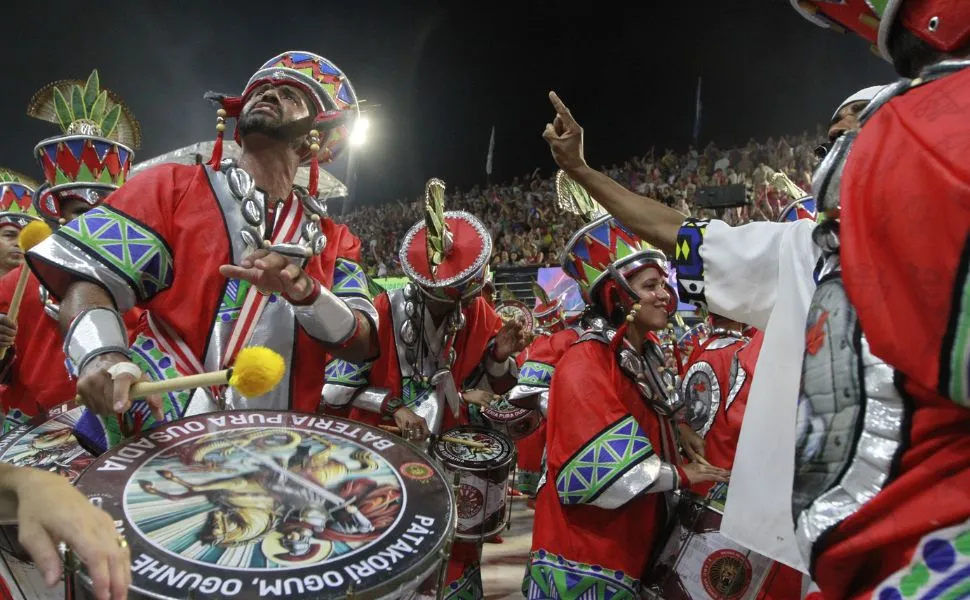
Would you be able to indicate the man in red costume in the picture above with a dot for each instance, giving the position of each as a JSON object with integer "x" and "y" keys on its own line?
{"x": 224, "y": 256}
{"x": 439, "y": 333}
{"x": 611, "y": 454}
{"x": 880, "y": 446}
{"x": 35, "y": 369}
{"x": 882, "y": 477}
{"x": 537, "y": 363}
{"x": 16, "y": 193}
{"x": 710, "y": 386}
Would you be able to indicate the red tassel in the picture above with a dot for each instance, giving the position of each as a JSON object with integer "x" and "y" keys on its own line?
{"x": 216, "y": 152}
{"x": 314, "y": 176}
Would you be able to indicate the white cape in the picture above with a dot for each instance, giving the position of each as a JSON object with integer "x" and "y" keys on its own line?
{"x": 761, "y": 274}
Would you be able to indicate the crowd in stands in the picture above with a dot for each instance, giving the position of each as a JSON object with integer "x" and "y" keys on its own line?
{"x": 529, "y": 230}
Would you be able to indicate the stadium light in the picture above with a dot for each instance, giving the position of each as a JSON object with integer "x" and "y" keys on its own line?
{"x": 358, "y": 137}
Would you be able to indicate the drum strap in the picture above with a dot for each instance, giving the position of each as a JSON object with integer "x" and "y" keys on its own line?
{"x": 668, "y": 441}
{"x": 287, "y": 230}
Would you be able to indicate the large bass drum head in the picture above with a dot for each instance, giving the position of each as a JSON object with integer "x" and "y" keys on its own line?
{"x": 264, "y": 504}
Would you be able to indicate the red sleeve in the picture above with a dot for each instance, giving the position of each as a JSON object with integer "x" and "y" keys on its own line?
{"x": 386, "y": 371}
{"x": 577, "y": 416}
{"x": 8, "y": 283}
{"x": 347, "y": 244}
{"x": 141, "y": 214}
{"x": 153, "y": 196}
{"x": 548, "y": 349}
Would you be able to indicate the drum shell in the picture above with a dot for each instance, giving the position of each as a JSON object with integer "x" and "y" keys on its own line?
{"x": 482, "y": 497}
{"x": 697, "y": 562}
{"x": 516, "y": 424}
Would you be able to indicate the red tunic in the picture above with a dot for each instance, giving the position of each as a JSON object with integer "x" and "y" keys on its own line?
{"x": 734, "y": 366}
{"x": 177, "y": 204}
{"x": 709, "y": 379}
{"x": 905, "y": 250}
{"x": 482, "y": 323}
{"x": 37, "y": 376}
{"x": 619, "y": 539}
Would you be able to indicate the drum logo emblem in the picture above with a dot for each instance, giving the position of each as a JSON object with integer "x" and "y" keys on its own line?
{"x": 264, "y": 498}
{"x": 417, "y": 471}
{"x": 726, "y": 574}
{"x": 470, "y": 501}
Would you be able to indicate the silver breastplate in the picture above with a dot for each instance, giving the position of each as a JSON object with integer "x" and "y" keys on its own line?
{"x": 849, "y": 427}
{"x": 656, "y": 383}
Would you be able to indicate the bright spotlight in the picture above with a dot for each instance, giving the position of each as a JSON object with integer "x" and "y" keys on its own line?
{"x": 358, "y": 137}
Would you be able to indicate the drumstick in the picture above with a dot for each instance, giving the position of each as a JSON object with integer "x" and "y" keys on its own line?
{"x": 444, "y": 438}
{"x": 257, "y": 370}
{"x": 31, "y": 235}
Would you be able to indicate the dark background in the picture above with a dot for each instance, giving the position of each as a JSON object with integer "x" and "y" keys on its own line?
{"x": 444, "y": 73}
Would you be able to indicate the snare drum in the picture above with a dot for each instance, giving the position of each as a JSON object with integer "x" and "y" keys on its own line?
{"x": 483, "y": 493}
{"x": 45, "y": 442}
{"x": 697, "y": 562}
{"x": 511, "y": 420}
{"x": 266, "y": 504}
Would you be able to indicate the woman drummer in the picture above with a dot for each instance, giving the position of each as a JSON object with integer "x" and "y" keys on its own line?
{"x": 611, "y": 448}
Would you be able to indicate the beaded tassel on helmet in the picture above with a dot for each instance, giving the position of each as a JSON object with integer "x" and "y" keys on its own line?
{"x": 621, "y": 331}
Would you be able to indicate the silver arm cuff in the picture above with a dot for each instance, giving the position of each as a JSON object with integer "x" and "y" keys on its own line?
{"x": 371, "y": 399}
{"x": 362, "y": 306}
{"x": 544, "y": 403}
{"x": 649, "y": 477}
{"x": 94, "y": 332}
{"x": 328, "y": 319}
{"x": 500, "y": 369}
{"x": 336, "y": 395}
{"x": 530, "y": 397}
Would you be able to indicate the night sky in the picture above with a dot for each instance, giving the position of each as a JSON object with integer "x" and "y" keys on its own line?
{"x": 445, "y": 73}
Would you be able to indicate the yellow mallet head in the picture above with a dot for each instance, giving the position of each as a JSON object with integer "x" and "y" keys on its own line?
{"x": 257, "y": 371}
{"x": 32, "y": 234}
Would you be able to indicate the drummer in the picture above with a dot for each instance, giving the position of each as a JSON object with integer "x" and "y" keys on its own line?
{"x": 439, "y": 332}
{"x": 49, "y": 511}
{"x": 35, "y": 370}
{"x": 610, "y": 455}
{"x": 16, "y": 192}
{"x": 230, "y": 255}
{"x": 536, "y": 366}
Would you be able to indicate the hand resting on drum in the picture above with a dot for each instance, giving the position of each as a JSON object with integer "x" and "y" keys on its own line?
{"x": 413, "y": 427}
{"x": 105, "y": 395}
{"x": 49, "y": 511}
{"x": 700, "y": 473}
{"x": 480, "y": 398}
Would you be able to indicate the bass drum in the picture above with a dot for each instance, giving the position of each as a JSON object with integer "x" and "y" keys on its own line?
{"x": 698, "y": 563}
{"x": 45, "y": 442}
{"x": 483, "y": 492}
{"x": 266, "y": 504}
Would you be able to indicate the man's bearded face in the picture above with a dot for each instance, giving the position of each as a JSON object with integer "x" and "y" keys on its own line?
{"x": 271, "y": 110}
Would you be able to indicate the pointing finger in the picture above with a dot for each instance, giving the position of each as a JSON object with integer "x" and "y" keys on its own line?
{"x": 561, "y": 109}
